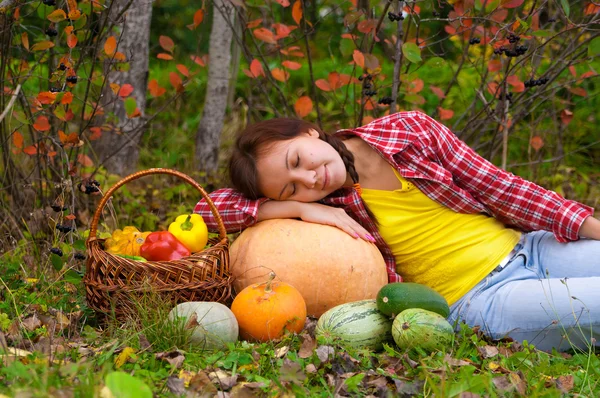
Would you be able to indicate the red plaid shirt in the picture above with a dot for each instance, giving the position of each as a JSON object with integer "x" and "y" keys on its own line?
{"x": 443, "y": 168}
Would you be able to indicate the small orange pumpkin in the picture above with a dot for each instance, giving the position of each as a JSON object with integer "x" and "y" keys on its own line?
{"x": 264, "y": 311}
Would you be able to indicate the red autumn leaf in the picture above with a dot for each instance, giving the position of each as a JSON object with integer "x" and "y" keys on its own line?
{"x": 285, "y": 3}
{"x": 114, "y": 87}
{"x": 280, "y": 74}
{"x": 566, "y": 116}
{"x": 71, "y": 40}
{"x": 371, "y": 61}
{"x": 256, "y": 68}
{"x": 166, "y": 43}
{"x": 578, "y": 91}
{"x": 46, "y": 97}
{"x": 96, "y": 133}
{"x": 511, "y": 3}
{"x": 41, "y": 124}
{"x": 492, "y": 88}
{"x": 183, "y": 70}
{"x": 297, "y": 11}
{"x": 165, "y": 56}
{"x": 518, "y": 85}
{"x": 415, "y": 86}
{"x": 591, "y": 8}
{"x": 70, "y": 217}
{"x": 445, "y": 114}
{"x": 84, "y": 160}
{"x": 494, "y": 65}
{"x": 57, "y": 16}
{"x": 303, "y": 106}
{"x": 536, "y": 142}
{"x": 25, "y": 40}
{"x": 72, "y": 138}
{"x": 323, "y": 84}
{"x": 334, "y": 80}
{"x": 265, "y": 35}
{"x": 155, "y": 89}
{"x": 125, "y": 90}
{"x": 573, "y": 70}
{"x": 176, "y": 81}
{"x": 254, "y": 23}
{"x": 367, "y": 25}
{"x": 67, "y": 98}
{"x": 42, "y": 45}
{"x": 291, "y": 65}
{"x": 369, "y": 104}
{"x": 359, "y": 58}
{"x": 437, "y": 91}
{"x": 69, "y": 115}
{"x": 198, "y": 17}
{"x": 74, "y": 15}
{"x": 31, "y": 150}
{"x": 282, "y": 31}
{"x": 110, "y": 46}
{"x": 17, "y": 139}
{"x": 587, "y": 74}
{"x": 119, "y": 56}
{"x": 198, "y": 60}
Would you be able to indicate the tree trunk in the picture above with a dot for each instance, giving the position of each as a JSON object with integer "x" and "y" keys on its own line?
{"x": 118, "y": 150}
{"x": 208, "y": 136}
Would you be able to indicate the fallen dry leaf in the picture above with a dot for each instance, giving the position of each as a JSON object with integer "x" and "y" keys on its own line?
{"x": 310, "y": 368}
{"x": 488, "y": 351}
{"x": 176, "y": 385}
{"x": 455, "y": 362}
{"x": 565, "y": 383}
{"x": 175, "y": 358}
{"x": 223, "y": 379}
{"x": 31, "y": 323}
{"x": 325, "y": 352}
{"x": 281, "y": 351}
{"x": 518, "y": 383}
{"x": 308, "y": 346}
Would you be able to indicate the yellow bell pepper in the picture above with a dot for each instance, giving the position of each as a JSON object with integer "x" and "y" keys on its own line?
{"x": 126, "y": 241}
{"x": 191, "y": 231}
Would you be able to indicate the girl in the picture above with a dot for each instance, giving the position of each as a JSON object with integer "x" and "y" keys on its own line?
{"x": 440, "y": 214}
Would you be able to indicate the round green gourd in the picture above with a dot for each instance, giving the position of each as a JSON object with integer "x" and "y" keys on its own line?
{"x": 394, "y": 298}
{"x": 427, "y": 330}
{"x": 215, "y": 324}
{"x": 357, "y": 324}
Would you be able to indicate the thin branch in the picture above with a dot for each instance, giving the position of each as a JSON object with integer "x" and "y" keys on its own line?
{"x": 13, "y": 98}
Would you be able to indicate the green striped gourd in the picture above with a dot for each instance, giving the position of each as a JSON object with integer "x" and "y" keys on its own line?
{"x": 357, "y": 324}
{"x": 416, "y": 327}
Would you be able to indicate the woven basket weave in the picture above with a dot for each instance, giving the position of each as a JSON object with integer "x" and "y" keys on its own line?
{"x": 112, "y": 281}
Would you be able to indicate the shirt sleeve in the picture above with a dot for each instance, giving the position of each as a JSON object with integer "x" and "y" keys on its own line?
{"x": 236, "y": 211}
{"x": 510, "y": 198}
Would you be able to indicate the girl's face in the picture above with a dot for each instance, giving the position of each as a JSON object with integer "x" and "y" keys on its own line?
{"x": 304, "y": 169}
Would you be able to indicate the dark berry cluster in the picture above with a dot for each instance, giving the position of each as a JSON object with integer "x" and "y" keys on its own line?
{"x": 518, "y": 50}
{"x": 536, "y": 82}
{"x": 71, "y": 79}
{"x": 51, "y": 31}
{"x": 506, "y": 96}
{"x": 58, "y": 208}
{"x": 64, "y": 228}
{"x": 55, "y": 89}
{"x": 395, "y": 17}
{"x": 435, "y": 14}
{"x": 49, "y": 2}
{"x": 89, "y": 187}
{"x": 474, "y": 40}
{"x": 369, "y": 93}
{"x": 385, "y": 100}
{"x": 79, "y": 256}
{"x": 367, "y": 86}
{"x": 512, "y": 38}
{"x": 57, "y": 251}
{"x": 62, "y": 66}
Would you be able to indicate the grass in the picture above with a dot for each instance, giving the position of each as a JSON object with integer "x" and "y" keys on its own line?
{"x": 64, "y": 353}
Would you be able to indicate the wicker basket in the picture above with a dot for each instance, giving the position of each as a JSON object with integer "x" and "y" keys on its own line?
{"x": 111, "y": 281}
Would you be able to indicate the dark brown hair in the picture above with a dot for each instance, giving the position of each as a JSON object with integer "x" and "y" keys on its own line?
{"x": 255, "y": 139}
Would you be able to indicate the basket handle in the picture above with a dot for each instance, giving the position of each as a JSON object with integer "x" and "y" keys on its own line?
{"x": 143, "y": 173}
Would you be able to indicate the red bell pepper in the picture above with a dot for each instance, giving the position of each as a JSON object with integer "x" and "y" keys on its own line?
{"x": 163, "y": 246}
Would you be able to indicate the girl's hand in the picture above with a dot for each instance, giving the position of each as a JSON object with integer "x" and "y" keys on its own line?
{"x": 336, "y": 217}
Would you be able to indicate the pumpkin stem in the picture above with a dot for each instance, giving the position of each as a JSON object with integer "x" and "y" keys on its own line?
{"x": 271, "y": 277}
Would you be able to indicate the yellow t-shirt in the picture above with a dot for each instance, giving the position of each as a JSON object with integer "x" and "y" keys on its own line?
{"x": 435, "y": 246}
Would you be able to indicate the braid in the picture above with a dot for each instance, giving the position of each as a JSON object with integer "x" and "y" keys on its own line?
{"x": 345, "y": 154}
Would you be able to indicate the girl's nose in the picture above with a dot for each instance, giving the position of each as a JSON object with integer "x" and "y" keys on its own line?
{"x": 308, "y": 178}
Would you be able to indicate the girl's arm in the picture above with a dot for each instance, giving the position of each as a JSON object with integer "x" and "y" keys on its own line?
{"x": 510, "y": 198}
{"x": 237, "y": 213}
{"x": 590, "y": 228}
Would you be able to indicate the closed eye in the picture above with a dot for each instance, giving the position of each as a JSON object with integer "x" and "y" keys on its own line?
{"x": 297, "y": 161}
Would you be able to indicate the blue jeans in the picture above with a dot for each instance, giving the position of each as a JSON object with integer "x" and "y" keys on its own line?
{"x": 548, "y": 294}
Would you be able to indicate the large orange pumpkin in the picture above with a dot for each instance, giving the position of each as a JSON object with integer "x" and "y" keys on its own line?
{"x": 325, "y": 264}
{"x": 264, "y": 311}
